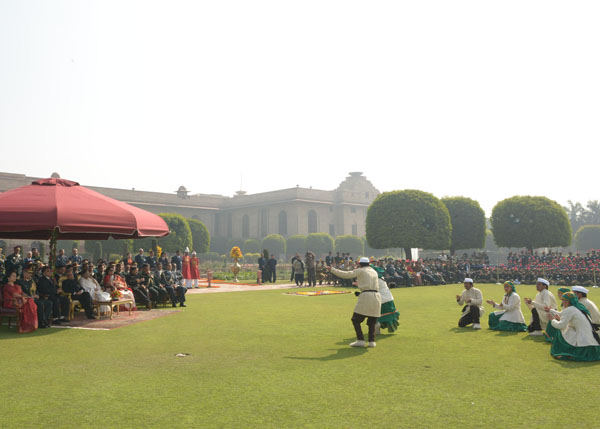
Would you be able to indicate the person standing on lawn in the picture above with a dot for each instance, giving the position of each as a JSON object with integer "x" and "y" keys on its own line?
{"x": 368, "y": 305}
{"x": 272, "y": 267}
{"x": 186, "y": 269}
{"x": 473, "y": 309}
{"x": 194, "y": 269}
{"x": 539, "y": 315}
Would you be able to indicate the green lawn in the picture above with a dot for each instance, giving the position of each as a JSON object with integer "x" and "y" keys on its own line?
{"x": 264, "y": 359}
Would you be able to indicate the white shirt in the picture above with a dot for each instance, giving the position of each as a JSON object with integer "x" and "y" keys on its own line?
{"x": 476, "y": 299}
{"x": 543, "y": 299}
{"x": 511, "y": 308}
{"x": 369, "y": 303}
{"x": 594, "y": 313}
{"x": 575, "y": 327}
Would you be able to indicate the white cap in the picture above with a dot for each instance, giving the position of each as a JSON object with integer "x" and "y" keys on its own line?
{"x": 187, "y": 249}
{"x": 468, "y": 280}
{"x": 364, "y": 260}
{"x": 579, "y": 289}
{"x": 194, "y": 253}
{"x": 543, "y": 281}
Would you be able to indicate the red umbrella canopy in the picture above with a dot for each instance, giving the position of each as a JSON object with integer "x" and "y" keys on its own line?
{"x": 36, "y": 210}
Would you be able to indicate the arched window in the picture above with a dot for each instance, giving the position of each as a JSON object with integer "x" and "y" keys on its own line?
{"x": 245, "y": 226}
{"x": 312, "y": 222}
{"x": 283, "y": 223}
{"x": 229, "y": 225}
{"x": 264, "y": 223}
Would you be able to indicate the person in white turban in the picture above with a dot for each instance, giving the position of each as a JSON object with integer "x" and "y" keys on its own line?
{"x": 472, "y": 299}
{"x": 582, "y": 296}
{"x": 539, "y": 314}
{"x": 368, "y": 305}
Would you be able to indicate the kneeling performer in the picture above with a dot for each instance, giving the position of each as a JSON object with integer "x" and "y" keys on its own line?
{"x": 473, "y": 309}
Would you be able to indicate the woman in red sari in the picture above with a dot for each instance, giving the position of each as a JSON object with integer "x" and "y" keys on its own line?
{"x": 195, "y": 270}
{"x": 186, "y": 271}
{"x": 14, "y": 298}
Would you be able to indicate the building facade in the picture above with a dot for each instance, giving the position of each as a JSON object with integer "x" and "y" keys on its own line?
{"x": 286, "y": 211}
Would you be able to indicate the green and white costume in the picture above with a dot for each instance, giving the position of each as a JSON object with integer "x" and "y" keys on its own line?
{"x": 510, "y": 318}
{"x": 574, "y": 338}
{"x": 389, "y": 315}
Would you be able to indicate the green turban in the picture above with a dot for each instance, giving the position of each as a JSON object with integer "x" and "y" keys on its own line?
{"x": 564, "y": 289}
{"x": 512, "y": 286}
{"x": 380, "y": 271}
{"x": 572, "y": 298}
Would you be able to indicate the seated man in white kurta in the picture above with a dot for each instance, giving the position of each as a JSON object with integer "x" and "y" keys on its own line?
{"x": 473, "y": 301}
{"x": 369, "y": 301}
{"x": 539, "y": 316}
{"x": 581, "y": 294}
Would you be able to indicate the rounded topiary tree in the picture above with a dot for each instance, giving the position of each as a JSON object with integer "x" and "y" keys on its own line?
{"x": 468, "y": 223}
{"x": 588, "y": 237}
{"x": 296, "y": 244}
{"x": 349, "y": 244}
{"x": 275, "y": 243}
{"x": 180, "y": 235}
{"x": 319, "y": 243}
{"x": 408, "y": 219}
{"x": 200, "y": 236}
{"x": 530, "y": 222}
{"x": 251, "y": 245}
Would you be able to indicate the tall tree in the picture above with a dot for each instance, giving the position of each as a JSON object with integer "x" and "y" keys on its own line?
{"x": 531, "y": 222}
{"x": 468, "y": 223}
{"x": 591, "y": 216}
{"x": 575, "y": 212}
{"x": 408, "y": 219}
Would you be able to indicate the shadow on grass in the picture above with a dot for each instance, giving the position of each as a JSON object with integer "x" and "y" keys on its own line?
{"x": 506, "y": 333}
{"x": 573, "y": 364}
{"x": 458, "y": 330}
{"x": 536, "y": 339}
{"x": 343, "y": 352}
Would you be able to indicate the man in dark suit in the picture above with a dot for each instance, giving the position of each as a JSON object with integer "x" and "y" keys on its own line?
{"x": 47, "y": 289}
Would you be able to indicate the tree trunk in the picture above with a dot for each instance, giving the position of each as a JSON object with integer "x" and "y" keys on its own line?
{"x": 408, "y": 253}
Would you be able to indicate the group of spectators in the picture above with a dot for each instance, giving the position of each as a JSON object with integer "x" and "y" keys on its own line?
{"x": 53, "y": 290}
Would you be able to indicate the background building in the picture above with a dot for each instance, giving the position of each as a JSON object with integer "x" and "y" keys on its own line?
{"x": 286, "y": 211}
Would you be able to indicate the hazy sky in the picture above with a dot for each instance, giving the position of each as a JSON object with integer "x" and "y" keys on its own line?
{"x": 475, "y": 98}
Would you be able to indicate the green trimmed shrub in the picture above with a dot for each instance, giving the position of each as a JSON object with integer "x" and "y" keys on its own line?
{"x": 349, "y": 244}
{"x": 296, "y": 244}
{"x": 275, "y": 243}
{"x": 408, "y": 219}
{"x": 587, "y": 237}
{"x": 200, "y": 236}
{"x": 251, "y": 245}
{"x": 468, "y": 223}
{"x": 319, "y": 243}
{"x": 530, "y": 222}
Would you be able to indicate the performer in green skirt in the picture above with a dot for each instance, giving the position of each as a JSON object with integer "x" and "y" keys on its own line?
{"x": 389, "y": 315}
{"x": 510, "y": 317}
{"x": 575, "y": 338}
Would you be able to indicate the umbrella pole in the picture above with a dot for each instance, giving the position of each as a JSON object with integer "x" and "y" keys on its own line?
{"x": 52, "y": 255}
